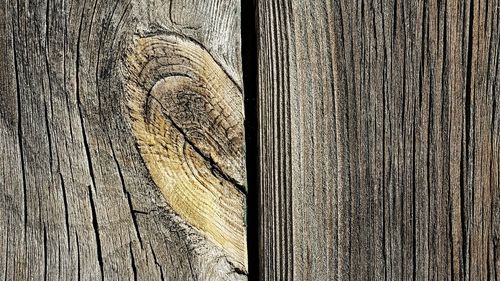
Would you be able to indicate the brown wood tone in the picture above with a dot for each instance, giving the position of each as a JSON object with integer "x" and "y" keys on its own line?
{"x": 379, "y": 140}
{"x": 121, "y": 140}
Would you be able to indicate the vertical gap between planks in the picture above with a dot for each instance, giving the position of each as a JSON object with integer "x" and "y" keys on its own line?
{"x": 249, "y": 61}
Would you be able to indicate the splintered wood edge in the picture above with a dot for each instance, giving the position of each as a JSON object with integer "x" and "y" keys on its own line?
{"x": 187, "y": 117}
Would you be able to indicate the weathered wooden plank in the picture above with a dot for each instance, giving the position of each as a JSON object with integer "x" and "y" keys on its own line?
{"x": 379, "y": 133}
{"x": 81, "y": 181}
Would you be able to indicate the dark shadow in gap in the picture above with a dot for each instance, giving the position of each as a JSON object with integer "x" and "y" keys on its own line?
{"x": 249, "y": 30}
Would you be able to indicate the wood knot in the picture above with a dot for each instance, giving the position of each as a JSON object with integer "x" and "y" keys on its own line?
{"x": 187, "y": 117}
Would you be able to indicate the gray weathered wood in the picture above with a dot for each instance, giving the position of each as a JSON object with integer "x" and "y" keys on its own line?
{"x": 379, "y": 140}
{"x": 77, "y": 200}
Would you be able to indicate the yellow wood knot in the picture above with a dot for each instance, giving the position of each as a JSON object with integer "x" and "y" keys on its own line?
{"x": 187, "y": 117}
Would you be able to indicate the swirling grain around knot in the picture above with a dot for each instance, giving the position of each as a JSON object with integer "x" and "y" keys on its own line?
{"x": 187, "y": 117}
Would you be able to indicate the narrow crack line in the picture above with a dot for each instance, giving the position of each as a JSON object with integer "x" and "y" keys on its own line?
{"x": 157, "y": 263}
{"x": 45, "y": 253}
{"x": 95, "y": 225}
{"x": 78, "y": 266}
{"x": 66, "y": 210}
{"x": 127, "y": 194}
{"x": 79, "y": 101}
{"x": 132, "y": 261}
{"x": 20, "y": 130}
{"x": 188, "y": 255}
{"x": 59, "y": 261}
{"x": 236, "y": 268}
{"x": 215, "y": 167}
{"x": 49, "y": 137}
{"x": 141, "y": 212}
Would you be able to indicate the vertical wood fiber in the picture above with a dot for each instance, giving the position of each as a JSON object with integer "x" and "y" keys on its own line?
{"x": 379, "y": 140}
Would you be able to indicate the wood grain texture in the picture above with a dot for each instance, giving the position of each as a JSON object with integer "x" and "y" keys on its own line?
{"x": 379, "y": 140}
{"x": 188, "y": 119}
{"x": 78, "y": 200}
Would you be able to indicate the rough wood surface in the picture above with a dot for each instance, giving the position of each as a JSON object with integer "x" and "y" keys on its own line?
{"x": 80, "y": 196}
{"x": 379, "y": 140}
{"x": 188, "y": 119}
